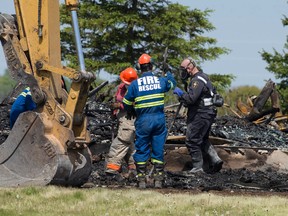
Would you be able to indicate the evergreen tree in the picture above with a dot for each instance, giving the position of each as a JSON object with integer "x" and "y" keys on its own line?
{"x": 278, "y": 64}
{"x": 115, "y": 33}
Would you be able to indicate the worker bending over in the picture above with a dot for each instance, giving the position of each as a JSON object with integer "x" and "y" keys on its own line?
{"x": 23, "y": 103}
{"x": 122, "y": 146}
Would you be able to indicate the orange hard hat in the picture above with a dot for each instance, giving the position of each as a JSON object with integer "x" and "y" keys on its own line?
{"x": 128, "y": 75}
{"x": 144, "y": 59}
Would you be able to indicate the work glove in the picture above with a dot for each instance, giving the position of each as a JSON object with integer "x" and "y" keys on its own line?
{"x": 116, "y": 105}
{"x": 131, "y": 114}
{"x": 178, "y": 92}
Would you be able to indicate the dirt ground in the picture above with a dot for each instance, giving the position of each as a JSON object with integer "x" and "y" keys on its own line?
{"x": 247, "y": 172}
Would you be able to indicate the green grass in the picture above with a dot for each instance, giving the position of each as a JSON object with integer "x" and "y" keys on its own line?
{"x": 53, "y": 200}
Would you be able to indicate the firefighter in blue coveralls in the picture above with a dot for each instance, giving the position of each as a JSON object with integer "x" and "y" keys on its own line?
{"x": 200, "y": 116}
{"x": 23, "y": 103}
{"x": 146, "y": 96}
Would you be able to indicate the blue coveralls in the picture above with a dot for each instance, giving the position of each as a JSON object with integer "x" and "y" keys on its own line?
{"x": 146, "y": 94}
{"x": 23, "y": 103}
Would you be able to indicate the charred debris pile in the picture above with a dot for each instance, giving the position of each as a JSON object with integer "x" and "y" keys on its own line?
{"x": 246, "y": 133}
{"x": 240, "y": 132}
{"x": 4, "y": 122}
{"x": 103, "y": 127}
{"x": 228, "y": 180}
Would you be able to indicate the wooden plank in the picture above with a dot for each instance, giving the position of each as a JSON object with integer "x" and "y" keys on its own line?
{"x": 176, "y": 137}
{"x": 213, "y": 140}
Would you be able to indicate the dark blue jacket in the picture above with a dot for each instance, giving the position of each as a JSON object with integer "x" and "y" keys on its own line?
{"x": 147, "y": 93}
{"x": 200, "y": 88}
{"x": 23, "y": 103}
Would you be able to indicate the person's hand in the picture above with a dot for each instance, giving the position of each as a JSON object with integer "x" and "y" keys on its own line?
{"x": 131, "y": 114}
{"x": 116, "y": 105}
{"x": 178, "y": 92}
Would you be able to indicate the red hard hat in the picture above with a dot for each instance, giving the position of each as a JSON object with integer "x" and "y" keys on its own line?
{"x": 128, "y": 75}
{"x": 144, "y": 59}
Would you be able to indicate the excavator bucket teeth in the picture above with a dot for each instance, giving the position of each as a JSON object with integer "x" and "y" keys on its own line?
{"x": 29, "y": 157}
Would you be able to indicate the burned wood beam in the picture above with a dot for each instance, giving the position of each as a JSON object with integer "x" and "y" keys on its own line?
{"x": 262, "y": 98}
{"x": 254, "y": 116}
{"x": 98, "y": 88}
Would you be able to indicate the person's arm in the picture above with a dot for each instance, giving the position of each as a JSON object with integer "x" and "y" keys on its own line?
{"x": 121, "y": 91}
{"x": 29, "y": 103}
{"x": 194, "y": 92}
{"x": 129, "y": 98}
{"x": 171, "y": 81}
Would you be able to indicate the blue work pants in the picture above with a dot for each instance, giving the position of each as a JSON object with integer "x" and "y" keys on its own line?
{"x": 151, "y": 135}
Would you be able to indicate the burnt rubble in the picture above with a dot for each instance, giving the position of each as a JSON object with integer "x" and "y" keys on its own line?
{"x": 240, "y": 131}
{"x": 4, "y": 122}
{"x": 101, "y": 124}
{"x": 103, "y": 127}
{"x": 246, "y": 133}
{"x": 231, "y": 180}
{"x": 226, "y": 180}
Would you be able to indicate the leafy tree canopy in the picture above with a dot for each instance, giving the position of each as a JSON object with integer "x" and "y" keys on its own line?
{"x": 115, "y": 33}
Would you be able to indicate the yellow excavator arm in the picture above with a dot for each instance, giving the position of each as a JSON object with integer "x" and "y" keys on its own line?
{"x": 48, "y": 146}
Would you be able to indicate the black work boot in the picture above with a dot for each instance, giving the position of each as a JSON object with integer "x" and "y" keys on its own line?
{"x": 197, "y": 161}
{"x": 158, "y": 175}
{"x": 141, "y": 175}
{"x": 216, "y": 162}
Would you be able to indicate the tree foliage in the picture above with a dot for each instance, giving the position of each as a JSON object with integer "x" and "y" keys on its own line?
{"x": 115, "y": 33}
{"x": 221, "y": 82}
{"x": 278, "y": 64}
{"x": 231, "y": 96}
{"x": 6, "y": 85}
{"x": 240, "y": 93}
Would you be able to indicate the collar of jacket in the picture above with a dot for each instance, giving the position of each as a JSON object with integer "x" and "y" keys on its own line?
{"x": 199, "y": 73}
{"x": 147, "y": 73}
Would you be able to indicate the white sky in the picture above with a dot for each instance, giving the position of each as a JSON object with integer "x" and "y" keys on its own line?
{"x": 246, "y": 27}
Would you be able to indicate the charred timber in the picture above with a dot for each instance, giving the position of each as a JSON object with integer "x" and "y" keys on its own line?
{"x": 98, "y": 88}
{"x": 255, "y": 116}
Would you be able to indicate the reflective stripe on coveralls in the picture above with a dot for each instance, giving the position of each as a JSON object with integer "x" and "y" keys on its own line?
{"x": 147, "y": 94}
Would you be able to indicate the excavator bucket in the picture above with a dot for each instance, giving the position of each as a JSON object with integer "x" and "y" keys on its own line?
{"x": 32, "y": 156}
{"x": 48, "y": 146}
